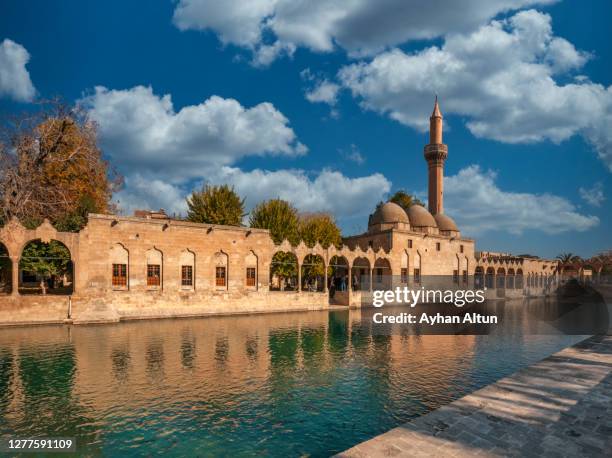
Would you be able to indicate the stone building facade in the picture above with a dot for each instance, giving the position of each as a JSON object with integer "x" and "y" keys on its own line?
{"x": 150, "y": 266}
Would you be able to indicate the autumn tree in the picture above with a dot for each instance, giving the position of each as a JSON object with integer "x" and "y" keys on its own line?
{"x": 319, "y": 227}
{"x": 51, "y": 167}
{"x": 215, "y": 205}
{"x": 279, "y": 217}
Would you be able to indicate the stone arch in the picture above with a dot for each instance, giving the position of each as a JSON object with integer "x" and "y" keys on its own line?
{"x": 6, "y": 270}
{"x": 360, "y": 272}
{"x": 46, "y": 267}
{"x": 251, "y": 270}
{"x": 479, "y": 277}
{"x": 313, "y": 273}
{"x": 383, "y": 274}
{"x": 490, "y": 278}
{"x": 221, "y": 265}
{"x": 284, "y": 269}
{"x": 339, "y": 272}
{"x": 518, "y": 281}
{"x": 155, "y": 268}
{"x": 120, "y": 266}
{"x": 187, "y": 266}
{"x": 501, "y": 278}
{"x": 510, "y": 283}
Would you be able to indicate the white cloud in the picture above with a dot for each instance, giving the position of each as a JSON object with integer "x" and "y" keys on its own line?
{"x": 15, "y": 80}
{"x": 593, "y": 196}
{"x": 150, "y": 194}
{"x": 500, "y": 77}
{"x": 323, "y": 92}
{"x": 359, "y": 26}
{"x": 326, "y": 190}
{"x": 142, "y": 132}
{"x": 478, "y": 205}
{"x": 163, "y": 153}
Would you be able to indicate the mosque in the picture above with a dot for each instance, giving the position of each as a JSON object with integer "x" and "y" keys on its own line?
{"x": 151, "y": 266}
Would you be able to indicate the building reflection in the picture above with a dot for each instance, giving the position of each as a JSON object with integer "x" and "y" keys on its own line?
{"x": 207, "y": 365}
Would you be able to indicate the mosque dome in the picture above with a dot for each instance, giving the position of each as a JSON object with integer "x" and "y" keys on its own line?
{"x": 420, "y": 217}
{"x": 389, "y": 213}
{"x": 445, "y": 223}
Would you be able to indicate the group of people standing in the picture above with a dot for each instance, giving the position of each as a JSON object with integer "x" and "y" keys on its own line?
{"x": 340, "y": 283}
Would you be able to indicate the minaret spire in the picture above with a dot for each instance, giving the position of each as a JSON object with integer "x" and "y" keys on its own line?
{"x": 435, "y": 155}
{"x": 435, "y": 125}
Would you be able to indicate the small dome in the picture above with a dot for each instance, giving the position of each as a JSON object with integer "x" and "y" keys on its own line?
{"x": 389, "y": 213}
{"x": 420, "y": 217}
{"x": 445, "y": 223}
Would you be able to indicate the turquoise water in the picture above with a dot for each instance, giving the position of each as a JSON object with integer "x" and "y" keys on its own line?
{"x": 292, "y": 384}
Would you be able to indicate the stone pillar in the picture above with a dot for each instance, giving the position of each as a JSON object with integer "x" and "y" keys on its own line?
{"x": 14, "y": 276}
{"x": 325, "y": 284}
{"x": 371, "y": 275}
{"x": 299, "y": 285}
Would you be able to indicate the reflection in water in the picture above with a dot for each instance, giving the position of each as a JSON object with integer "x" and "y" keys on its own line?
{"x": 251, "y": 347}
{"x": 155, "y": 358}
{"x": 288, "y": 384}
{"x": 188, "y": 349}
{"x": 121, "y": 363}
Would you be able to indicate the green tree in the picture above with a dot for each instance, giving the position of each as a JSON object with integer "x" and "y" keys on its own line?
{"x": 404, "y": 200}
{"x": 312, "y": 268}
{"x": 279, "y": 217}
{"x": 284, "y": 265}
{"x": 216, "y": 205}
{"x": 48, "y": 260}
{"x": 319, "y": 227}
{"x": 567, "y": 258}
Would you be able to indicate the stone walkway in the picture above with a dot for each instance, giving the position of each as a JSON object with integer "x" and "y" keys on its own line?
{"x": 561, "y": 406}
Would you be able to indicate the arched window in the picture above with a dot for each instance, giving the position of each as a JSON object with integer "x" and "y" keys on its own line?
{"x": 404, "y": 268}
{"x": 154, "y": 268}
{"x": 221, "y": 271}
{"x": 119, "y": 259}
{"x": 251, "y": 270}
{"x": 187, "y": 266}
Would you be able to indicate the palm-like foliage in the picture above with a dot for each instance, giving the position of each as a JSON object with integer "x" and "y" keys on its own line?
{"x": 216, "y": 205}
{"x": 568, "y": 258}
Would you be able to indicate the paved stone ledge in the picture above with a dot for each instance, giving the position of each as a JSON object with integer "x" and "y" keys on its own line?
{"x": 560, "y": 406}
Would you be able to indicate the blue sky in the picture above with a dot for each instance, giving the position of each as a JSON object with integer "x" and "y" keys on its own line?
{"x": 324, "y": 103}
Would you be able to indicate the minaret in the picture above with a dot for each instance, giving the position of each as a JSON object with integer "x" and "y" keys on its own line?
{"x": 435, "y": 155}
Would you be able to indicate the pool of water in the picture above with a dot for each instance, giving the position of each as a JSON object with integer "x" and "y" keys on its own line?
{"x": 289, "y": 384}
